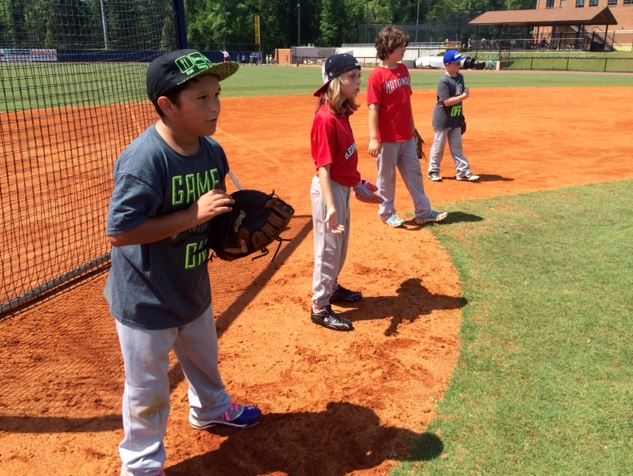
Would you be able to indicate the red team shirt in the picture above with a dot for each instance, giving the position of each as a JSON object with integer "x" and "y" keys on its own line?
{"x": 390, "y": 89}
{"x": 333, "y": 144}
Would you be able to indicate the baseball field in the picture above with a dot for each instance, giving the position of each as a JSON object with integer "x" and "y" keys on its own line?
{"x": 498, "y": 342}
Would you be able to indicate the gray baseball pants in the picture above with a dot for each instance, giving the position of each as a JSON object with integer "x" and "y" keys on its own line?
{"x": 330, "y": 249}
{"x": 401, "y": 155}
{"x": 146, "y": 390}
{"x": 454, "y": 136}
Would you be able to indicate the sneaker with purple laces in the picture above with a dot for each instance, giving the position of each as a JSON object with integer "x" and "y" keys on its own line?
{"x": 237, "y": 416}
{"x": 434, "y": 217}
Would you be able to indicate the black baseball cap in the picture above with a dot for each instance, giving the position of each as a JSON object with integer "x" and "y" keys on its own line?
{"x": 172, "y": 69}
{"x": 333, "y": 67}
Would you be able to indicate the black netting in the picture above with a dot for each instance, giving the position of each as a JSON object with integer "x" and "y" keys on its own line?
{"x": 72, "y": 96}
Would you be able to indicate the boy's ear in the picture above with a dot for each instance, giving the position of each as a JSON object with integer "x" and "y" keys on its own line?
{"x": 166, "y": 105}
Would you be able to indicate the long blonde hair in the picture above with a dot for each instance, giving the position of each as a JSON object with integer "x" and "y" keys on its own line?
{"x": 338, "y": 104}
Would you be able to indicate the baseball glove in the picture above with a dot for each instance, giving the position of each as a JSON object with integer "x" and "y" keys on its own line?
{"x": 365, "y": 191}
{"x": 419, "y": 144}
{"x": 464, "y": 128}
{"x": 256, "y": 220}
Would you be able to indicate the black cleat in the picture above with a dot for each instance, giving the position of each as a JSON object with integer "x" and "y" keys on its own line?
{"x": 328, "y": 318}
{"x": 345, "y": 295}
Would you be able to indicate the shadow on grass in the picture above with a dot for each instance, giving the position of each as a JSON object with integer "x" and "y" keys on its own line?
{"x": 460, "y": 217}
{"x": 485, "y": 178}
{"x": 453, "y": 217}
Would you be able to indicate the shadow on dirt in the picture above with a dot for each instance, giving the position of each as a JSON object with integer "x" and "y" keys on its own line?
{"x": 412, "y": 302}
{"x": 340, "y": 440}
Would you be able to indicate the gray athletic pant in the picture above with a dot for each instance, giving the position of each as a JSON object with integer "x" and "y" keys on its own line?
{"x": 146, "y": 391}
{"x": 454, "y": 136}
{"x": 330, "y": 249}
{"x": 402, "y": 155}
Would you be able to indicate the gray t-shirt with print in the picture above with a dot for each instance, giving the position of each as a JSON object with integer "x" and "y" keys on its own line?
{"x": 450, "y": 117}
{"x": 163, "y": 284}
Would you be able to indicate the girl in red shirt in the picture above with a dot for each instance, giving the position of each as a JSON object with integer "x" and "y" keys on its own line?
{"x": 336, "y": 158}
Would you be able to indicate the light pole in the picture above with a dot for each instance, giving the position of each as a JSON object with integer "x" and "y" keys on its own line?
{"x": 417, "y": 22}
{"x": 298, "y": 23}
{"x": 367, "y": 21}
{"x": 103, "y": 25}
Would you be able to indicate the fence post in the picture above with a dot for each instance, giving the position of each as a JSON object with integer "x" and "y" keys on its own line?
{"x": 531, "y": 63}
{"x": 605, "y": 64}
{"x": 180, "y": 24}
{"x": 567, "y": 64}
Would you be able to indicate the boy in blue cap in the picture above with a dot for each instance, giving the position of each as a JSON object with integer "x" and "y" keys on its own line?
{"x": 449, "y": 122}
{"x": 168, "y": 184}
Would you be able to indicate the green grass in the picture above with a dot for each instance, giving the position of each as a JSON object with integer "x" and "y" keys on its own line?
{"x": 37, "y": 86}
{"x": 544, "y": 383}
{"x": 613, "y": 62}
{"x": 492, "y": 79}
{"x": 562, "y": 53}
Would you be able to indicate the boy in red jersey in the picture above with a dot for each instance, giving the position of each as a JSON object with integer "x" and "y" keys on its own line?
{"x": 391, "y": 130}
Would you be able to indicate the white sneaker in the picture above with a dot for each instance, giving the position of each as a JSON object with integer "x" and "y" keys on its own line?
{"x": 434, "y": 217}
{"x": 394, "y": 221}
{"x": 468, "y": 178}
{"x": 435, "y": 177}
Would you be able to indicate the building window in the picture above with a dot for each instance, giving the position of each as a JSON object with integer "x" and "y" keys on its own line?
{"x": 549, "y": 4}
{"x": 627, "y": 2}
{"x": 580, "y": 3}
{"x": 612, "y": 2}
{"x": 593, "y": 3}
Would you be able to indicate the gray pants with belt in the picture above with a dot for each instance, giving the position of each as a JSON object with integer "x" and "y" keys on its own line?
{"x": 330, "y": 249}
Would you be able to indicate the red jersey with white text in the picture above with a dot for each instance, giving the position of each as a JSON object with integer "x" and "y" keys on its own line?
{"x": 390, "y": 90}
{"x": 333, "y": 144}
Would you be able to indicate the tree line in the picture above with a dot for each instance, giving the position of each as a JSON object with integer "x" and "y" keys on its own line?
{"x": 219, "y": 24}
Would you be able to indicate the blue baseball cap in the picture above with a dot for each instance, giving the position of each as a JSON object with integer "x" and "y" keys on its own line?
{"x": 452, "y": 56}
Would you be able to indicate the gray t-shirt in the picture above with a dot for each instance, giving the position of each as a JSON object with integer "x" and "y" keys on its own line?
{"x": 449, "y": 117}
{"x": 163, "y": 284}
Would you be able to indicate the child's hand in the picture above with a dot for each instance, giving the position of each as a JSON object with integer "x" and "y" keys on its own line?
{"x": 331, "y": 221}
{"x": 466, "y": 92}
{"x": 211, "y": 204}
{"x": 374, "y": 147}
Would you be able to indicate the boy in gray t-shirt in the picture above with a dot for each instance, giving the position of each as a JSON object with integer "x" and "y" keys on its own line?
{"x": 448, "y": 121}
{"x": 168, "y": 184}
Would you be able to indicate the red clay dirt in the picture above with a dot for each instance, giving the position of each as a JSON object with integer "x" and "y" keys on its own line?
{"x": 334, "y": 403}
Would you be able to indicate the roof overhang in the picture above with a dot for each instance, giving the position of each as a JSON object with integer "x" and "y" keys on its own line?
{"x": 547, "y": 17}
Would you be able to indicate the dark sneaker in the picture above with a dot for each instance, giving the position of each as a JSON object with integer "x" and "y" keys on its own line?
{"x": 345, "y": 295}
{"x": 328, "y": 318}
{"x": 237, "y": 416}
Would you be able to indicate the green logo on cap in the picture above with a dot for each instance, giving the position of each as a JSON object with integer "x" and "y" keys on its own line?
{"x": 193, "y": 63}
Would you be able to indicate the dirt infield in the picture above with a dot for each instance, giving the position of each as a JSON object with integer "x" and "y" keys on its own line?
{"x": 334, "y": 403}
